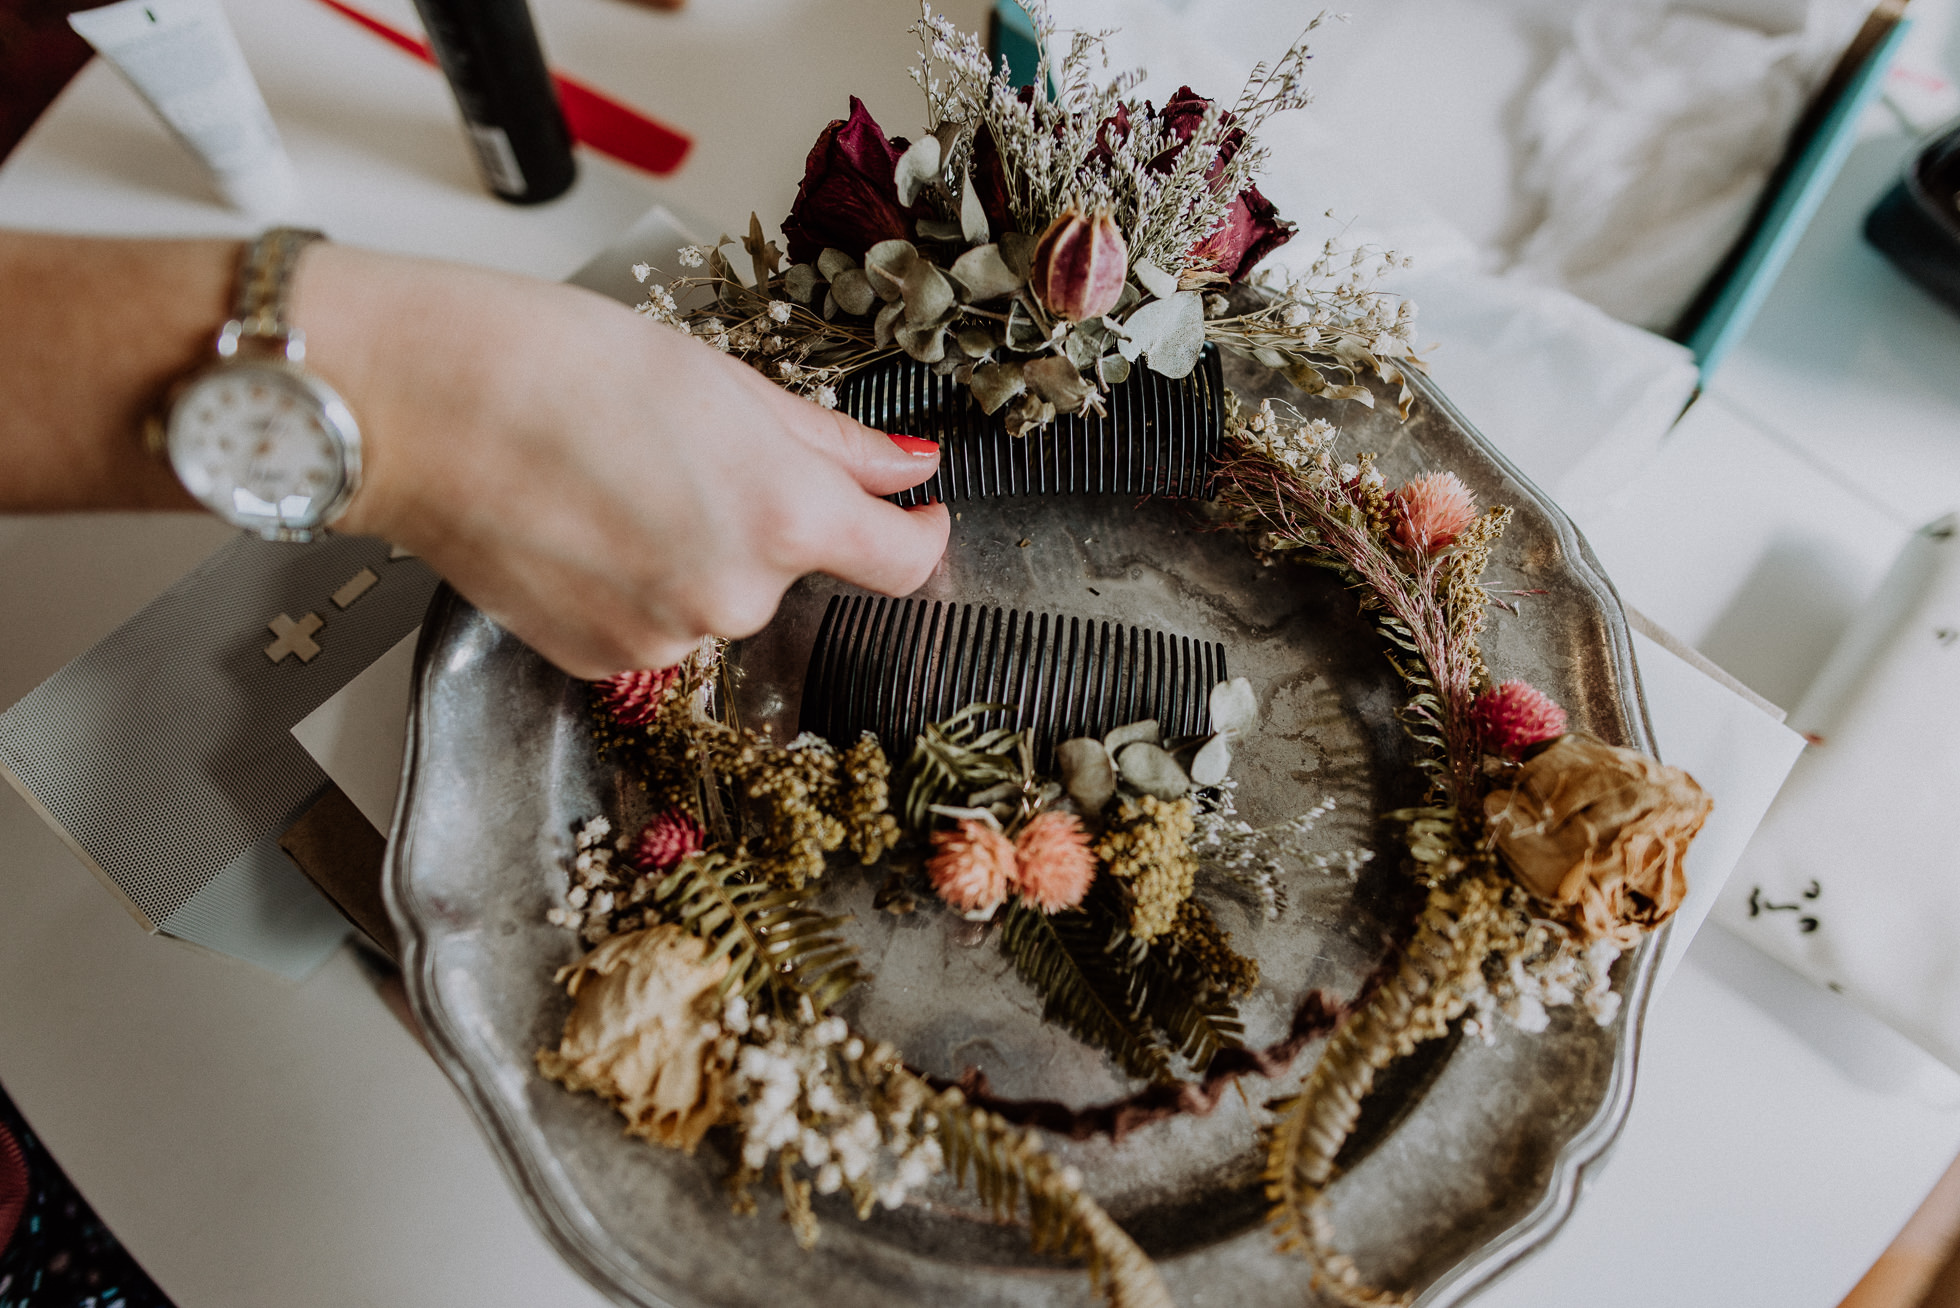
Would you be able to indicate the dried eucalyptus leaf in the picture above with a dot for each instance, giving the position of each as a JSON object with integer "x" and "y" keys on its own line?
{"x": 1154, "y": 279}
{"x": 1081, "y": 350}
{"x": 1149, "y": 769}
{"x": 1128, "y": 300}
{"x": 801, "y": 283}
{"x": 888, "y": 319}
{"x": 973, "y": 214}
{"x": 852, "y": 291}
{"x": 1058, "y": 381}
{"x": 886, "y": 264}
{"x": 985, "y": 274}
{"x": 1017, "y": 248}
{"x": 948, "y": 365}
{"x": 1087, "y": 773}
{"x": 938, "y": 229}
{"x": 1271, "y": 358}
{"x": 1212, "y": 763}
{"x": 1146, "y": 730}
{"x": 1168, "y": 334}
{"x": 916, "y": 169}
{"x": 1307, "y": 378}
{"x": 829, "y": 306}
{"x": 1234, "y": 707}
{"x": 976, "y": 340}
{"x": 963, "y": 374}
{"x": 832, "y": 262}
{"x": 1023, "y": 332}
{"x": 994, "y": 384}
{"x": 1028, "y": 413}
{"x": 926, "y": 344}
{"x": 1114, "y": 369}
{"x": 764, "y": 256}
{"x": 929, "y": 297}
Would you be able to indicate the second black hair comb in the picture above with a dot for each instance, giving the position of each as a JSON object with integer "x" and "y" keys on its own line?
{"x": 891, "y": 666}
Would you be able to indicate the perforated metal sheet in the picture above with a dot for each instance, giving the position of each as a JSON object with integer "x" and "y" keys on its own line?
{"x": 166, "y": 751}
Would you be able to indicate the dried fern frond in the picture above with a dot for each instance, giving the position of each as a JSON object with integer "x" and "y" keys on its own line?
{"x": 1014, "y": 1177}
{"x": 1185, "y": 1001}
{"x": 769, "y": 934}
{"x": 1086, "y": 988}
{"x": 957, "y": 757}
{"x": 1438, "y": 975}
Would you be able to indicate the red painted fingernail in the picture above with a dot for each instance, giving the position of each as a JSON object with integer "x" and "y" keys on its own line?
{"x": 915, "y": 444}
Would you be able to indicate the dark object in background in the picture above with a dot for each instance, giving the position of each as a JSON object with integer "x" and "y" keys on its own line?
{"x": 55, "y": 1252}
{"x": 489, "y": 51}
{"x": 1917, "y": 226}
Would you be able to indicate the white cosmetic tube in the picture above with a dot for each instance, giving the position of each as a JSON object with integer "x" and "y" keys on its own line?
{"x": 181, "y": 56}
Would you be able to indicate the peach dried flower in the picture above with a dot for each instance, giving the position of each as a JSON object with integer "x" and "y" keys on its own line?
{"x": 643, "y": 1033}
{"x": 667, "y": 840}
{"x": 971, "y": 866}
{"x": 633, "y": 698}
{"x": 1601, "y": 831}
{"x": 1515, "y": 716}
{"x": 1431, "y": 512}
{"x": 1054, "y": 863}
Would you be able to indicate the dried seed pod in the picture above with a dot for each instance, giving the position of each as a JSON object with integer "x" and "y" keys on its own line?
{"x": 1080, "y": 265}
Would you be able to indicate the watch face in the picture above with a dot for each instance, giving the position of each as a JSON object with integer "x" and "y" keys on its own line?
{"x": 263, "y": 446}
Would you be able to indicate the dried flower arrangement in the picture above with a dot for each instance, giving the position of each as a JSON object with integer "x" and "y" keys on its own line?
{"x": 1038, "y": 248}
{"x": 707, "y": 1001}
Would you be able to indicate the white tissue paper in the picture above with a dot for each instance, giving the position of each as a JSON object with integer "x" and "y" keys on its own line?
{"x": 1547, "y": 166}
{"x": 1854, "y": 877}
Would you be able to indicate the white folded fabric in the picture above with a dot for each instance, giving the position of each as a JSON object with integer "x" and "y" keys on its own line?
{"x": 1646, "y": 145}
{"x": 1854, "y": 878}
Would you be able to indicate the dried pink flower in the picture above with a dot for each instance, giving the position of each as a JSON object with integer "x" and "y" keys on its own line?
{"x": 1079, "y": 266}
{"x": 971, "y": 865}
{"x": 1432, "y": 511}
{"x": 1515, "y": 716}
{"x": 1054, "y": 863}
{"x": 632, "y": 699}
{"x": 667, "y": 840}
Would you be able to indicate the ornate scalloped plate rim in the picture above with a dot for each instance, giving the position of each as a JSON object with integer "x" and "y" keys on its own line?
{"x": 572, "y": 1229}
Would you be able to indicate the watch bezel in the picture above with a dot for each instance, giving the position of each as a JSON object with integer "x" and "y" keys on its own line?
{"x": 328, "y": 406}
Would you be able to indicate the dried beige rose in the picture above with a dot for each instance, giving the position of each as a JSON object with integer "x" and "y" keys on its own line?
{"x": 643, "y": 1031}
{"x": 1601, "y": 830}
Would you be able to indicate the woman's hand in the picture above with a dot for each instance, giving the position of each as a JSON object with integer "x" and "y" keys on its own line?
{"x": 607, "y": 489}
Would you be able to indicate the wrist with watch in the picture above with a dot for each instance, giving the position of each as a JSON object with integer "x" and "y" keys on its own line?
{"x": 252, "y": 435}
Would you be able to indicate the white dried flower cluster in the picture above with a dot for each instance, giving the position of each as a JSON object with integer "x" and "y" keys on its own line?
{"x": 1549, "y": 969}
{"x": 692, "y": 256}
{"x": 1255, "y": 860}
{"x": 594, "y": 892}
{"x": 793, "y": 1093}
{"x": 1304, "y": 446}
{"x": 603, "y": 894}
{"x": 1057, "y": 155}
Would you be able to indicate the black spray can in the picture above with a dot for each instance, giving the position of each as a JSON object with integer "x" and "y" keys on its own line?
{"x": 489, "y": 51}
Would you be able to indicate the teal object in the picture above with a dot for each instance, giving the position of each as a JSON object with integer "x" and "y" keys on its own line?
{"x": 1735, "y": 306}
{"x": 1011, "y": 40}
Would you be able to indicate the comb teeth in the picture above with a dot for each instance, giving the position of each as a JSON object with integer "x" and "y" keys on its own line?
{"x": 1160, "y": 437}
{"x": 891, "y": 666}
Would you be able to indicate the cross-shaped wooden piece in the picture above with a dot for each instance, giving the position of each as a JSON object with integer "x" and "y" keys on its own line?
{"x": 294, "y": 637}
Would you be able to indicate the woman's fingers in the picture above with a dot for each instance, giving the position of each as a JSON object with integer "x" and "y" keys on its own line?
{"x": 882, "y": 547}
{"x": 882, "y": 464}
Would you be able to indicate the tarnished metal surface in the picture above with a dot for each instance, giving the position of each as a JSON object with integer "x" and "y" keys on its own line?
{"x": 1483, "y": 1166}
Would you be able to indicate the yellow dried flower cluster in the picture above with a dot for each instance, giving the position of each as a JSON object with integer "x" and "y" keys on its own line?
{"x": 1460, "y": 582}
{"x": 869, "y": 827}
{"x": 803, "y": 799}
{"x": 1207, "y": 949}
{"x": 1147, "y": 847}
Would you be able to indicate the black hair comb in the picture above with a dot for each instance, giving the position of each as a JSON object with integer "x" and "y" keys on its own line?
{"x": 1157, "y": 436}
{"x": 891, "y": 666}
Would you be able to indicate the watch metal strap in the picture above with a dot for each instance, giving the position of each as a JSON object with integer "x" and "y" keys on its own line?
{"x": 265, "y": 280}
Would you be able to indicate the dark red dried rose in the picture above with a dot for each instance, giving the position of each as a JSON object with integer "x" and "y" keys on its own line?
{"x": 1252, "y": 230}
{"x": 849, "y": 197}
{"x": 990, "y": 181}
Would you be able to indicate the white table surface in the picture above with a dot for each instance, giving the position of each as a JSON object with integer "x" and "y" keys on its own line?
{"x": 256, "y": 1142}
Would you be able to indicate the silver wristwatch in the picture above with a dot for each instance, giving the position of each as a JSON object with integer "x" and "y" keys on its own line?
{"x": 252, "y": 435}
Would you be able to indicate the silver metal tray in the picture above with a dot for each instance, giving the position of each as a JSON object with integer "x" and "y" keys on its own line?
{"x": 1487, "y": 1153}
